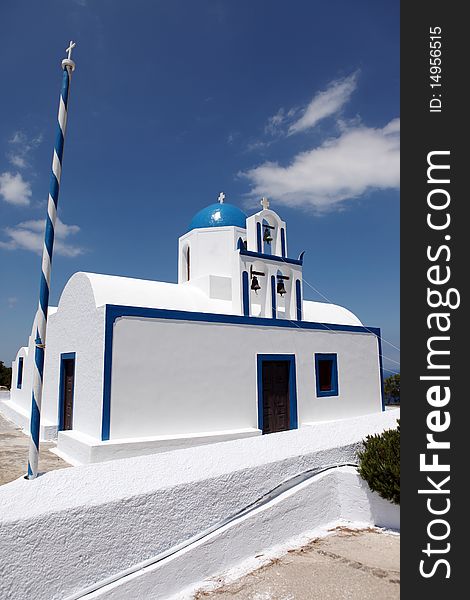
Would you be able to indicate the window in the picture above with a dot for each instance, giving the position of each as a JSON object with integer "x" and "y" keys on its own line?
{"x": 187, "y": 256}
{"x": 19, "y": 379}
{"x": 326, "y": 370}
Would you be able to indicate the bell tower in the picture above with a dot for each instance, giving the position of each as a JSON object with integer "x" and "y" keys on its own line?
{"x": 270, "y": 283}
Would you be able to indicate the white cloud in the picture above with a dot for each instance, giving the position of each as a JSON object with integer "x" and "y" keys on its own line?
{"x": 29, "y": 235}
{"x": 326, "y": 103}
{"x": 275, "y": 124}
{"x": 14, "y": 189}
{"x": 17, "y": 161}
{"x": 22, "y": 145}
{"x": 359, "y": 160}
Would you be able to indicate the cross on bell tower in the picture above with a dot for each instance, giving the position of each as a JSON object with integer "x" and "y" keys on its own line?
{"x": 265, "y": 203}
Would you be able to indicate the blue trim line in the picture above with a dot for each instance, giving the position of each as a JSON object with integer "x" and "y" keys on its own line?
{"x": 246, "y": 294}
{"x": 114, "y": 311}
{"x": 334, "y": 391}
{"x": 63, "y": 357}
{"x": 283, "y": 242}
{"x": 181, "y": 315}
{"x": 298, "y": 299}
{"x": 19, "y": 378}
{"x": 379, "y": 342}
{"x": 273, "y": 296}
{"x": 259, "y": 243}
{"x": 289, "y": 261}
{"x": 290, "y": 358}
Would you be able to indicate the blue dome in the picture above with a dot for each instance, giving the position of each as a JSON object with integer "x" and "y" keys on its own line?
{"x": 219, "y": 215}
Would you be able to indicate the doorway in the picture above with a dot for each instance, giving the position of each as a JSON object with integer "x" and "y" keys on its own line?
{"x": 277, "y": 401}
{"x": 67, "y": 381}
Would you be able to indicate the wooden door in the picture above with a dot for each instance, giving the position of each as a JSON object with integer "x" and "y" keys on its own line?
{"x": 276, "y": 414}
{"x": 68, "y": 381}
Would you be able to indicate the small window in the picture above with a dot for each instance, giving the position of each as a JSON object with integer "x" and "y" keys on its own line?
{"x": 188, "y": 264}
{"x": 19, "y": 379}
{"x": 326, "y": 369}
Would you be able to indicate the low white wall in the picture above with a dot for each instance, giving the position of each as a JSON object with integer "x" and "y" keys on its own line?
{"x": 171, "y": 377}
{"x": 73, "y": 527}
{"x": 22, "y": 417}
{"x": 80, "y": 449}
{"x": 297, "y": 515}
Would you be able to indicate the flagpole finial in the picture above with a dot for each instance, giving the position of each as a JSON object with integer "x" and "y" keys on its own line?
{"x": 68, "y": 62}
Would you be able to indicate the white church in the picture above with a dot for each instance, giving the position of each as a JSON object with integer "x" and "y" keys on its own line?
{"x": 232, "y": 350}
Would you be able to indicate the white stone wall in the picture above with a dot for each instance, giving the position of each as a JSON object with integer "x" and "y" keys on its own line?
{"x": 76, "y": 327}
{"x": 211, "y": 250}
{"x": 22, "y": 396}
{"x": 71, "y": 528}
{"x": 178, "y": 377}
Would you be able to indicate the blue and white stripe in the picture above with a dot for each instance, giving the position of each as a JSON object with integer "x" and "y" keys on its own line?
{"x": 41, "y": 318}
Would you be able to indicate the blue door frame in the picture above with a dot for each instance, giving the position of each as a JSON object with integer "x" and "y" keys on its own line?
{"x": 63, "y": 358}
{"x": 290, "y": 359}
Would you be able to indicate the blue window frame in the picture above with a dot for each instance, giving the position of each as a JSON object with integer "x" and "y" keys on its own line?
{"x": 19, "y": 379}
{"x": 63, "y": 357}
{"x": 290, "y": 359}
{"x": 326, "y": 374}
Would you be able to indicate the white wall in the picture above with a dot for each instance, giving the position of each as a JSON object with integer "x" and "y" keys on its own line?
{"x": 22, "y": 396}
{"x": 211, "y": 250}
{"x": 78, "y": 327}
{"x": 175, "y": 377}
{"x": 93, "y": 521}
{"x": 315, "y": 509}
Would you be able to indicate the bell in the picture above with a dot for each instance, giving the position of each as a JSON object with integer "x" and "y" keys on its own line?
{"x": 281, "y": 290}
{"x": 255, "y": 286}
{"x": 267, "y": 236}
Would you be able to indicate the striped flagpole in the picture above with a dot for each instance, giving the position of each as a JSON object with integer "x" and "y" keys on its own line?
{"x": 68, "y": 67}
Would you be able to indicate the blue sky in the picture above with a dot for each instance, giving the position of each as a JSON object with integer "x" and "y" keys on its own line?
{"x": 174, "y": 101}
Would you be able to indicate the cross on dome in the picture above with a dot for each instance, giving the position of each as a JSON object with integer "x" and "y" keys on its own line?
{"x": 265, "y": 203}
{"x": 221, "y": 198}
{"x": 69, "y": 49}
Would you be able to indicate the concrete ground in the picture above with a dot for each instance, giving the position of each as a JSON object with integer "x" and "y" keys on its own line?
{"x": 14, "y": 446}
{"x": 349, "y": 565}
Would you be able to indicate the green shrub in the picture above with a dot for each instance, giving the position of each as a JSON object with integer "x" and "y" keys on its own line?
{"x": 379, "y": 463}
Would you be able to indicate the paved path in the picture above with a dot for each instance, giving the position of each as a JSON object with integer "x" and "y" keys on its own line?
{"x": 14, "y": 446}
{"x": 345, "y": 566}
